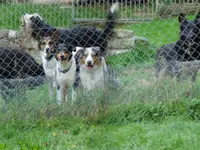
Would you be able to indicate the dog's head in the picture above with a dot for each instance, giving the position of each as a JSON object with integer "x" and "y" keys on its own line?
{"x": 187, "y": 34}
{"x": 63, "y": 53}
{"x": 26, "y": 19}
{"x": 46, "y": 44}
{"x": 89, "y": 58}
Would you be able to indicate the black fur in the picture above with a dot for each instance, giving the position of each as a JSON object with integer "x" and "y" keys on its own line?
{"x": 187, "y": 47}
{"x": 77, "y": 36}
{"x": 18, "y": 71}
{"x": 10, "y": 88}
{"x": 16, "y": 63}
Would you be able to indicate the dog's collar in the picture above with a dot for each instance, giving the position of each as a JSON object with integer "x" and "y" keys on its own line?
{"x": 66, "y": 70}
{"x": 49, "y": 57}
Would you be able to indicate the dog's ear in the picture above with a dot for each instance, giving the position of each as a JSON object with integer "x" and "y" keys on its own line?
{"x": 181, "y": 18}
{"x": 79, "y": 52}
{"x": 97, "y": 50}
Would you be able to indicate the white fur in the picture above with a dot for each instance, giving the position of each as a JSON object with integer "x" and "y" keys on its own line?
{"x": 26, "y": 21}
{"x": 95, "y": 77}
{"x": 114, "y": 8}
{"x": 49, "y": 68}
{"x": 26, "y": 18}
{"x": 65, "y": 80}
{"x": 25, "y": 31}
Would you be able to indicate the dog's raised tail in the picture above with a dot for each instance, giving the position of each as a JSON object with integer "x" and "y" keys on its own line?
{"x": 111, "y": 20}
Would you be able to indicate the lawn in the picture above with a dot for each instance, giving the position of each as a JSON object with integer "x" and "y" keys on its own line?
{"x": 142, "y": 114}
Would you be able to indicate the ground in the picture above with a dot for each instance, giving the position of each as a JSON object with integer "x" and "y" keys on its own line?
{"x": 142, "y": 114}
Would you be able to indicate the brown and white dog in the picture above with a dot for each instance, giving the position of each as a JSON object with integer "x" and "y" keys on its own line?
{"x": 46, "y": 46}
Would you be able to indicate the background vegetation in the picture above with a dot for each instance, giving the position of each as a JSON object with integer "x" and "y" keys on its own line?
{"x": 142, "y": 114}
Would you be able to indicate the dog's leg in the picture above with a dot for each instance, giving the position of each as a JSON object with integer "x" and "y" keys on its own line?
{"x": 64, "y": 96}
{"x": 58, "y": 94}
{"x": 61, "y": 94}
{"x": 105, "y": 84}
{"x": 50, "y": 90}
{"x": 74, "y": 95}
{"x": 74, "y": 88}
{"x": 194, "y": 76}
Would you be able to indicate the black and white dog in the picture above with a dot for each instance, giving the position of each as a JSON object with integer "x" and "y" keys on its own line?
{"x": 16, "y": 63}
{"x": 64, "y": 47}
{"x": 182, "y": 57}
{"x": 65, "y": 72}
{"x": 28, "y": 39}
{"x": 18, "y": 70}
{"x": 77, "y": 36}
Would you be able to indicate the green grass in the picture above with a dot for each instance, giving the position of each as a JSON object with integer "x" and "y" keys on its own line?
{"x": 51, "y": 14}
{"x": 142, "y": 115}
{"x": 159, "y": 31}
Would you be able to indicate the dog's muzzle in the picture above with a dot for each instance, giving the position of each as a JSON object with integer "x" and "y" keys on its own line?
{"x": 48, "y": 50}
{"x": 62, "y": 58}
{"x": 89, "y": 65}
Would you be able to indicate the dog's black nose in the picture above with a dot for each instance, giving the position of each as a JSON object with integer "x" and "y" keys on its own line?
{"x": 62, "y": 57}
{"x": 47, "y": 50}
{"x": 89, "y": 62}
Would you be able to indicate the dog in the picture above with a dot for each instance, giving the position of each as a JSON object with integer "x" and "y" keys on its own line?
{"x": 15, "y": 65}
{"x": 65, "y": 72}
{"x": 183, "y": 56}
{"x": 77, "y": 36}
{"x": 92, "y": 71}
{"x": 28, "y": 39}
{"x": 48, "y": 62}
{"x": 92, "y": 68}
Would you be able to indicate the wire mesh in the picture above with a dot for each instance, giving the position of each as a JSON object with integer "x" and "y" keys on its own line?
{"x": 138, "y": 62}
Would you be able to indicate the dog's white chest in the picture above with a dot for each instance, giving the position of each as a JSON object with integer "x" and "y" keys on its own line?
{"x": 92, "y": 79}
{"x": 66, "y": 78}
{"x": 49, "y": 66}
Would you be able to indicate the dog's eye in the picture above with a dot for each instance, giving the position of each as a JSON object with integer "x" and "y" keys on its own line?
{"x": 43, "y": 43}
{"x": 95, "y": 55}
{"x": 66, "y": 54}
{"x": 84, "y": 55}
{"x": 50, "y": 43}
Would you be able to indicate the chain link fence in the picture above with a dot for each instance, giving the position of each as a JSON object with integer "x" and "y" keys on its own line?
{"x": 138, "y": 67}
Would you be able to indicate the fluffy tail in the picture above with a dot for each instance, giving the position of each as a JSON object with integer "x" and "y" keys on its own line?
{"x": 111, "y": 20}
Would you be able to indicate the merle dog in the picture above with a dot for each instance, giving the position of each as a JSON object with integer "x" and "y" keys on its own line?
{"x": 18, "y": 70}
{"x": 181, "y": 57}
